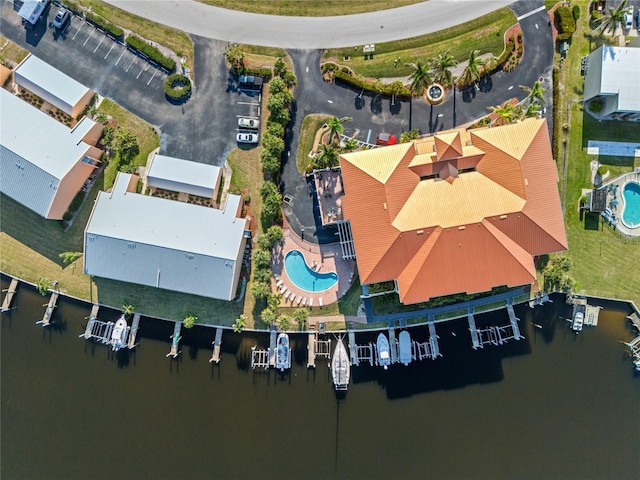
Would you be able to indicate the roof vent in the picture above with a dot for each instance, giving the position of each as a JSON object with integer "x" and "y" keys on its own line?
{"x": 384, "y": 205}
{"x": 526, "y": 182}
{"x": 461, "y": 227}
{"x": 420, "y": 232}
{"x": 503, "y": 217}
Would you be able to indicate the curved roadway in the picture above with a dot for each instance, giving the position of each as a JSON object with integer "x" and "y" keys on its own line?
{"x": 310, "y": 32}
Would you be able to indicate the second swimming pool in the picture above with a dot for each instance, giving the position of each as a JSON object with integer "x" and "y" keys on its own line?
{"x": 304, "y": 277}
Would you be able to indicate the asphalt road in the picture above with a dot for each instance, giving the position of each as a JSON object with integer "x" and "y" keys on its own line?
{"x": 202, "y": 129}
{"x": 310, "y": 32}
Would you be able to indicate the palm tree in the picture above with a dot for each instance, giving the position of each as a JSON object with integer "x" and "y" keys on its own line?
{"x": 327, "y": 158}
{"x": 506, "y": 113}
{"x": 612, "y": 19}
{"x": 421, "y": 78}
{"x": 532, "y": 110}
{"x": 536, "y": 92}
{"x": 349, "y": 145}
{"x": 442, "y": 65}
{"x": 471, "y": 73}
{"x": 335, "y": 129}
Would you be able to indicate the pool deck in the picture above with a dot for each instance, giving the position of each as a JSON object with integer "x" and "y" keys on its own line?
{"x": 326, "y": 258}
{"x": 617, "y": 208}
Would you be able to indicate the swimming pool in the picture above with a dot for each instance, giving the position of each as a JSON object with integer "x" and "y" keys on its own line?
{"x": 631, "y": 212}
{"x": 304, "y": 277}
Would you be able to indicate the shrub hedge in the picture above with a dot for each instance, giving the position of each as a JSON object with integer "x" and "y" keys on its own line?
{"x": 377, "y": 87}
{"x": 556, "y": 112}
{"x": 265, "y": 73}
{"x": 152, "y": 52}
{"x": 565, "y": 22}
{"x": 177, "y": 86}
{"x": 576, "y": 12}
{"x": 105, "y": 25}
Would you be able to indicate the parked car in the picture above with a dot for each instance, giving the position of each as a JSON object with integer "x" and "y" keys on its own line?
{"x": 250, "y": 80}
{"x": 248, "y": 123}
{"x": 638, "y": 20}
{"x": 386, "y": 139}
{"x": 628, "y": 19}
{"x": 244, "y": 137}
{"x": 61, "y": 18}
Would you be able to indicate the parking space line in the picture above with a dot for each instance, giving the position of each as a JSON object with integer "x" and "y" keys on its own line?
{"x": 80, "y": 28}
{"x": 131, "y": 64}
{"x": 141, "y": 70}
{"x": 248, "y": 103}
{"x": 100, "y": 43}
{"x": 154, "y": 74}
{"x": 121, "y": 55}
{"x": 114, "y": 44}
{"x": 91, "y": 35}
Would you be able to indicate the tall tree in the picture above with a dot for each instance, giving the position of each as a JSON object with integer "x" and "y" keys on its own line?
{"x": 420, "y": 77}
{"x": 506, "y": 113}
{"x": 612, "y": 19}
{"x": 327, "y": 158}
{"x": 471, "y": 72}
{"x": 535, "y": 92}
{"x": 442, "y": 65}
{"x": 335, "y": 130}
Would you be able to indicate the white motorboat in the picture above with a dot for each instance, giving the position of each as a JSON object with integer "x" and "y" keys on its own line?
{"x": 119, "y": 334}
{"x": 340, "y": 367}
{"x": 384, "y": 352}
{"x": 578, "y": 322}
{"x": 404, "y": 347}
{"x": 283, "y": 352}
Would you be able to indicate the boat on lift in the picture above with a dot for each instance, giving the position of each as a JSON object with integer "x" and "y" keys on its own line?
{"x": 578, "y": 322}
{"x": 340, "y": 367}
{"x": 119, "y": 334}
{"x": 384, "y": 352}
{"x": 404, "y": 347}
{"x": 283, "y": 352}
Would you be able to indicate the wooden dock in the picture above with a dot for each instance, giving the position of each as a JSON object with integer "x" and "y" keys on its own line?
{"x": 591, "y": 315}
{"x": 91, "y": 320}
{"x": 433, "y": 339}
{"x": 131, "y": 343}
{"x": 273, "y": 337}
{"x": 217, "y": 344}
{"x": 513, "y": 320}
{"x": 311, "y": 350}
{"x": 393, "y": 345}
{"x": 635, "y": 320}
{"x": 353, "y": 348}
{"x": 175, "y": 343}
{"x": 475, "y": 339}
{"x": 8, "y": 298}
{"x": 48, "y": 313}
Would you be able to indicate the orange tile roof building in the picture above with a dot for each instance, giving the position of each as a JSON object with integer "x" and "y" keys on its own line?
{"x": 461, "y": 211}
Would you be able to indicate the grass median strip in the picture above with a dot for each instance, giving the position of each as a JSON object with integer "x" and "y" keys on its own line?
{"x": 309, "y": 8}
{"x": 485, "y": 34}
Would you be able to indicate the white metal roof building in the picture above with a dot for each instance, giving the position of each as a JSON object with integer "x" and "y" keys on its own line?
{"x": 165, "y": 243}
{"x": 613, "y": 75}
{"x": 53, "y": 86}
{"x": 178, "y": 175}
{"x": 43, "y": 162}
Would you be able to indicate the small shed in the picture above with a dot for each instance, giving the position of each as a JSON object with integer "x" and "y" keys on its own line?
{"x": 53, "y": 86}
{"x": 184, "y": 176}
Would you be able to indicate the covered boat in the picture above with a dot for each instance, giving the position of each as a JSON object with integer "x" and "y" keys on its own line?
{"x": 578, "y": 322}
{"x": 384, "y": 352}
{"x": 119, "y": 334}
{"x": 340, "y": 367}
{"x": 404, "y": 348}
{"x": 283, "y": 352}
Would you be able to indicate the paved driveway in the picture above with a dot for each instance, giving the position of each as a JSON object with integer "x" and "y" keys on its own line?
{"x": 203, "y": 129}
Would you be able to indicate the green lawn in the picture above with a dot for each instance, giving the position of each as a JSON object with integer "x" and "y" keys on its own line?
{"x": 309, "y": 8}
{"x": 485, "y": 34}
{"x": 148, "y": 139}
{"x": 602, "y": 258}
{"x": 11, "y": 51}
{"x": 310, "y": 126}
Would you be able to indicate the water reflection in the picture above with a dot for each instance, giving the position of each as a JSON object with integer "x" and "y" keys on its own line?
{"x": 529, "y": 409}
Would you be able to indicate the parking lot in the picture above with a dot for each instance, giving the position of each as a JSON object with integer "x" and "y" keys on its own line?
{"x": 248, "y": 102}
{"x": 203, "y": 129}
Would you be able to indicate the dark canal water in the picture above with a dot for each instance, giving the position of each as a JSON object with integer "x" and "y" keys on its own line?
{"x": 555, "y": 405}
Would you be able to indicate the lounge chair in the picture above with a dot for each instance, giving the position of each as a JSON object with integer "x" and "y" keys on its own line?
{"x": 284, "y": 290}
{"x": 279, "y": 282}
{"x": 304, "y": 301}
{"x": 320, "y": 301}
{"x": 293, "y": 298}
{"x": 310, "y": 302}
{"x": 300, "y": 300}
